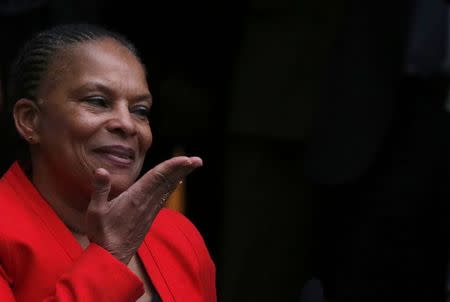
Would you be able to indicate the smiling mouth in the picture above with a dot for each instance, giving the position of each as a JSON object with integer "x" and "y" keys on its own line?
{"x": 117, "y": 155}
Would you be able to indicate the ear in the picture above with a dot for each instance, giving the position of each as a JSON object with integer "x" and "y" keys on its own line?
{"x": 26, "y": 118}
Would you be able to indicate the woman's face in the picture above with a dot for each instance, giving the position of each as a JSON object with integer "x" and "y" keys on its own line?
{"x": 93, "y": 112}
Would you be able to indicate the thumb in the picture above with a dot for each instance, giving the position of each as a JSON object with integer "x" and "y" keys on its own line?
{"x": 101, "y": 187}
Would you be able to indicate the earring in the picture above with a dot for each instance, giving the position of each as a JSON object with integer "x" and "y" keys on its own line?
{"x": 30, "y": 139}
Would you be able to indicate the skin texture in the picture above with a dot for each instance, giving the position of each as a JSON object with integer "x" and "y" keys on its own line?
{"x": 96, "y": 95}
{"x": 88, "y": 134}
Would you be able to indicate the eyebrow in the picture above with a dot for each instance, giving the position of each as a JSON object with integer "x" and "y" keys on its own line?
{"x": 144, "y": 97}
{"x": 94, "y": 85}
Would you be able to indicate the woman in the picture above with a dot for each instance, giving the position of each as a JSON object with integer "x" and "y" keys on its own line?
{"x": 76, "y": 225}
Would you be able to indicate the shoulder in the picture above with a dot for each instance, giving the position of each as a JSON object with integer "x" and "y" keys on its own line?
{"x": 10, "y": 205}
{"x": 13, "y": 221}
{"x": 11, "y": 199}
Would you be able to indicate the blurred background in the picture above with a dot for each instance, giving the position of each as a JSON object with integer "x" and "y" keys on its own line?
{"x": 324, "y": 130}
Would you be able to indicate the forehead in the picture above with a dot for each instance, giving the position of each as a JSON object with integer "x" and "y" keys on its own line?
{"x": 103, "y": 60}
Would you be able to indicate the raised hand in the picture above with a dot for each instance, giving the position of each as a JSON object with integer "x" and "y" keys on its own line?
{"x": 120, "y": 225}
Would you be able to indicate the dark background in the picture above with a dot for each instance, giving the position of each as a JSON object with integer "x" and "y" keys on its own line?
{"x": 322, "y": 126}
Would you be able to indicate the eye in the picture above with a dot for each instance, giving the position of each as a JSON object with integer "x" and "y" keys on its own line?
{"x": 141, "y": 111}
{"x": 96, "y": 101}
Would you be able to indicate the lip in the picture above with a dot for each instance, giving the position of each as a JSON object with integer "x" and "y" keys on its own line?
{"x": 117, "y": 155}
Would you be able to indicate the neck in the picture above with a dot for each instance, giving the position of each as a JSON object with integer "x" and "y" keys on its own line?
{"x": 67, "y": 202}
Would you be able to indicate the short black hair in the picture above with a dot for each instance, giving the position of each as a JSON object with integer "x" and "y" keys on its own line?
{"x": 34, "y": 58}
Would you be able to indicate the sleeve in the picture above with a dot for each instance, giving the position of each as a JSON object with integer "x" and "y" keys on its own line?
{"x": 95, "y": 276}
{"x": 207, "y": 269}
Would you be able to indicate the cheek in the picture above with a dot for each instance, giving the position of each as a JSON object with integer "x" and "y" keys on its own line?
{"x": 84, "y": 126}
{"x": 68, "y": 126}
{"x": 77, "y": 134}
{"x": 146, "y": 138}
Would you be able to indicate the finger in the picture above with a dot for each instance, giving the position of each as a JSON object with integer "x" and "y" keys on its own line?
{"x": 165, "y": 177}
{"x": 168, "y": 179}
{"x": 196, "y": 161}
{"x": 101, "y": 187}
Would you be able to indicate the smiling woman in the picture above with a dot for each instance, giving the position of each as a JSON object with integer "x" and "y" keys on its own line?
{"x": 77, "y": 224}
{"x": 98, "y": 118}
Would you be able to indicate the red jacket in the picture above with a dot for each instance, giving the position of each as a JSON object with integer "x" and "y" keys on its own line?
{"x": 40, "y": 259}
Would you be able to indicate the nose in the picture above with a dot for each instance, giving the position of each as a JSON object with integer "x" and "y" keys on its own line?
{"x": 121, "y": 122}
